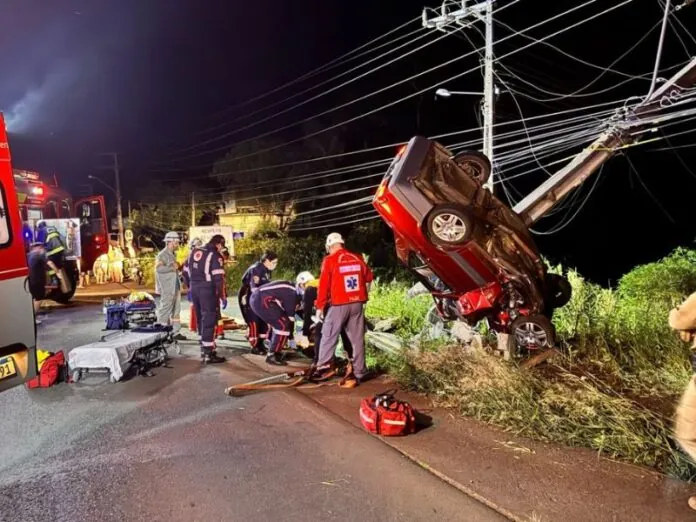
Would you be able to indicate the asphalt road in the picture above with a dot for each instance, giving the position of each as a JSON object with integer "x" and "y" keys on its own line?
{"x": 174, "y": 447}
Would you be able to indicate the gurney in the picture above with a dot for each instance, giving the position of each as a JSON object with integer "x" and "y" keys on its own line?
{"x": 117, "y": 352}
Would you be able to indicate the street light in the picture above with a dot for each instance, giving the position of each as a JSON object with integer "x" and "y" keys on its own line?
{"x": 444, "y": 93}
{"x": 119, "y": 212}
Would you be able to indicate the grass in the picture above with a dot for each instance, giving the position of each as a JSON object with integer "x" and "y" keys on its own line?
{"x": 613, "y": 390}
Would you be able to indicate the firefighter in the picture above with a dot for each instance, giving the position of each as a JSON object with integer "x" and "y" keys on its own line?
{"x": 343, "y": 287}
{"x": 168, "y": 286}
{"x": 307, "y": 288}
{"x": 207, "y": 285}
{"x": 276, "y": 303}
{"x": 38, "y": 268}
{"x": 186, "y": 273}
{"x": 256, "y": 275}
{"x": 55, "y": 252}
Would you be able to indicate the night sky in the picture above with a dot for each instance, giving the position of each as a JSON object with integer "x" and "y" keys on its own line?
{"x": 144, "y": 78}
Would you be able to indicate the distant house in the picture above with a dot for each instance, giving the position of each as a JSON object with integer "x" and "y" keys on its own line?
{"x": 245, "y": 220}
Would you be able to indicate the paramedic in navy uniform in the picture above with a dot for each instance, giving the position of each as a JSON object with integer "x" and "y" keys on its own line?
{"x": 207, "y": 284}
{"x": 256, "y": 275}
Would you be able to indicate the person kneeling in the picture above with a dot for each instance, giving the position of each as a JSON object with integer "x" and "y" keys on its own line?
{"x": 275, "y": 303}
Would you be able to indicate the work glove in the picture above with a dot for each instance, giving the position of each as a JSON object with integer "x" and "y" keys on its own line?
{"x": 223, "y": 303}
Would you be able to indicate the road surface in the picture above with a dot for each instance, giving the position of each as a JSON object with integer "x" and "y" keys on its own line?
{"x": 173, "y": 447}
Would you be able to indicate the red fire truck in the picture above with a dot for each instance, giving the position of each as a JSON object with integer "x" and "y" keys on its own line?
{"x": 17, "y": 324}
{"x": 86, "y": 217}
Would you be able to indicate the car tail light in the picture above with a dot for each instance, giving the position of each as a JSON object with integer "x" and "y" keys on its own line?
{"x": 479, "y": 299}
{"x": 98, "y": 238}
{"x": 37, "y": 191}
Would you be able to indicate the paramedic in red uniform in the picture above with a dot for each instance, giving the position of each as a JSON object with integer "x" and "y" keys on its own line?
{"x": 343, "y": 286}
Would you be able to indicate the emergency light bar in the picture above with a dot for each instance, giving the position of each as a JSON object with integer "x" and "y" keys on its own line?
{"x": 26, "y": 174}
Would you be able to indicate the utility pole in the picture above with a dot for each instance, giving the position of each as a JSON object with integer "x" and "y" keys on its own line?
{"x": 193, "y": 209}
{"x": 119, "y": 211}
{"x": 464, "y": 17}
{"x": 624, "y": 131}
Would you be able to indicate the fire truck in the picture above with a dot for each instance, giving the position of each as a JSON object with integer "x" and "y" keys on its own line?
{"x": 17, "y": 322}
{"x": 84, "y": 219}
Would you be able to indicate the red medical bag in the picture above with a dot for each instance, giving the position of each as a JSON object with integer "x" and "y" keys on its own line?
{"x": 52, "y": 370}
{"x": 384, "y": 415}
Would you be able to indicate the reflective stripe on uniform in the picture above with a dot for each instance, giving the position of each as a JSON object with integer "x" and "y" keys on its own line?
{"x": 207, "y": 267}
{"x": 56, "y": 250}
{"x": 218, "y": 271}
{"x": 278, "y": 285}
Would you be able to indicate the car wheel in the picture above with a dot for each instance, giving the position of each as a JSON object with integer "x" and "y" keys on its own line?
{"x": 534, "y": 332}
{"x": 449, "y": 225}
{"x": 476, "y": 164}
{"x": 558, "y": 291}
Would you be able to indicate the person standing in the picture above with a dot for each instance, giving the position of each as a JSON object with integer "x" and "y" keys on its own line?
{"x": 343, "y": 287}
{"x": 167, "y": 285}
{"x": 256, "y": 275}
{"x": 38, "y": 267}
{"x": 207, "y": 284}
{"x": 55, "y": 252}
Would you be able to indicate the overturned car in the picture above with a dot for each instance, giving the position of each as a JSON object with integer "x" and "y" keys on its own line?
{"x": 473, "y": 253}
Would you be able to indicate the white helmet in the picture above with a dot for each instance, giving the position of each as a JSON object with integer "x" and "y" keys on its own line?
{"x": 334, "y": 239}
{"x": 171, "y": 236}
{"x": 195, "y": 243}
{"x": 303, "y": 278}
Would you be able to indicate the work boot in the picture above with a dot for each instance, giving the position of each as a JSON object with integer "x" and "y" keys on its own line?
{"x": 257, "y": 350}
{"x": 212, "y": 358}
{"x": 276, "y": 359}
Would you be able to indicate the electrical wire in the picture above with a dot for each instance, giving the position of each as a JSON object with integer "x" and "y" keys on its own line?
{"x": 459, "y": 75}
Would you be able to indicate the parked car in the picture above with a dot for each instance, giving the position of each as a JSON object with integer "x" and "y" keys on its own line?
{"x": 473, "y": 253}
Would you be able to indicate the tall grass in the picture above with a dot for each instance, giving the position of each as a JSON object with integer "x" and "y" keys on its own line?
{"x": 614, "y": 388}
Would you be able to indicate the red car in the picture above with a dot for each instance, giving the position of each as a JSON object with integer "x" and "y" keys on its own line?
{"x": 471, "y": 251}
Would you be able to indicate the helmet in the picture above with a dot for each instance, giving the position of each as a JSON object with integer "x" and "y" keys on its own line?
{"x": 171, "y": 236}
{"x": 333, "y": 239}
{"x": 195, "y": 243}
{"x": 304, "y": 278}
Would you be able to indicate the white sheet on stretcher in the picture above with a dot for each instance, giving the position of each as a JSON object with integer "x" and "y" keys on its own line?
{"x": 114, "y": 353}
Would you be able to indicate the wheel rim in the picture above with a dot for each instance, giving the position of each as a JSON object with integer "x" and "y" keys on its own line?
{"x": 531, "y": 335}
{"x": 449, "y": 227}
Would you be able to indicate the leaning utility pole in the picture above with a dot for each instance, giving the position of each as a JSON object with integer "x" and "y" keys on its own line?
{"x": 625, "y": 130}
{"x": 193, "y": 209}
{"x": 464, "y": 17}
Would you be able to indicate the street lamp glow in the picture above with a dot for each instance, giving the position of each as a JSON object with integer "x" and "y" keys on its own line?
{"x": 444, "y": 93}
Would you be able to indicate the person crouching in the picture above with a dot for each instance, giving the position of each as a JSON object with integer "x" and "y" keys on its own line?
{"x": 275, "y": 303}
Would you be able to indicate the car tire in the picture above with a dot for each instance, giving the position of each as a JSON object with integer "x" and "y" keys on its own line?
{"x": 449, "y": 225}
{"x": 531, "y": 333}
{"x": 558, "y": 291}
{"x": 475, "y": 163}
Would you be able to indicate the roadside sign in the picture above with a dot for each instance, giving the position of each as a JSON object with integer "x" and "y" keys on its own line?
{"x": 205, "y": 233}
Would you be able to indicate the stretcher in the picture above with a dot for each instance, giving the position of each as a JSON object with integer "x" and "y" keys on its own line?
{"x": 118, "y": 351}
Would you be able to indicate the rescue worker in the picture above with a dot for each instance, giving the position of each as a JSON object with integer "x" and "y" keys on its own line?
{"x": 256, "y": 275}
{"x": 275, "y": 304}
{"x": 207, "y": 284}
{"x": 167, "y": 285}
{"x": 186, "y": 272}
{"x": 38, "y": 267}
{"x": 343, "y": 287}
{"x": 55, "y": 252}
{"x": 307, "y": 288}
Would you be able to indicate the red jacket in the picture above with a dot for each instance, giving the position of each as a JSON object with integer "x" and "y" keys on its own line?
{"x": 343, "y": 280}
